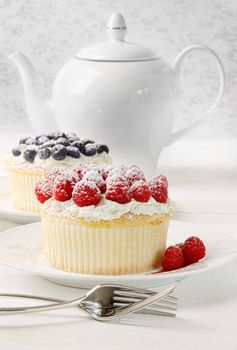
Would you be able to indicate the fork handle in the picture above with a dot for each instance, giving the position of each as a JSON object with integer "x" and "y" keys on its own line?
{"x": 30, "y": 296}
{"x": 30, "y": 309}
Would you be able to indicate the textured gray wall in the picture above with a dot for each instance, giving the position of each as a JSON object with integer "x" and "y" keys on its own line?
{"x": 50, "y": 32}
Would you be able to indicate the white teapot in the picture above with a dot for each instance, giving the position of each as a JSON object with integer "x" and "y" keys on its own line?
{"x": 119, "y": 92}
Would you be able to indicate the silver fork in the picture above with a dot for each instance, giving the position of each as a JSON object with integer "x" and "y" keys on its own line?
{"x": 163, "y": 307}
{"x": 105, "y": 302}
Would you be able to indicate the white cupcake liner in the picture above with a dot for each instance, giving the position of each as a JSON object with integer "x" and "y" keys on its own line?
{"x": 72, "y": 246}
{"x": 23, "y": 191}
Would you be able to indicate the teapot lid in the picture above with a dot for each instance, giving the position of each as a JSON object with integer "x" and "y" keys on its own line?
{"x": 116, "y": 49}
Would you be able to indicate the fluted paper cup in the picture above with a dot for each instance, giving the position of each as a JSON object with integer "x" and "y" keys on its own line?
{"x": 115, "y": 247}
{"x": 22, "y": 185}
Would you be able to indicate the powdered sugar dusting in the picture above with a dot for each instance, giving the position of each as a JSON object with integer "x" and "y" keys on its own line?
{"x": 134, "y": 173}
{"x": 65, "y": 176}
{"x": 94, "y": 176}
{"x": 46, "y": 187}
{"x": 85, "y": 182}
{"x": 116, "y": 175}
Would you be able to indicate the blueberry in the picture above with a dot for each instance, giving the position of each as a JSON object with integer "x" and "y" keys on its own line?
{"x": 44, "y": 153}
{"x": 71, "y": 139}
{"x": 90, "y": 149}
{"x": 49, "y": 143}
{"x": 86, "y": 141}
{"x": 58, "y": 152}
{"x": 29, "y": 155}
{"x": 38, "y": 136}
{"x": 102, "y": 148}
{"x": 79, "y": 145}
{"x": 72, "y": 135}
{"x": 30, "y": 141}
{"x": 62, "y": 141}
{"x": 73, "y": 152}
{"x": 51, "y": 136}
{"x": 23, "y": 140}
{"x": 57, "y": 135}
{"x": 41, "y": 140}
{"x": 16, "y": 151}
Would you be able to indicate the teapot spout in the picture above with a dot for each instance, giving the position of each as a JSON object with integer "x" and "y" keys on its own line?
{"x": 38, "y": 105}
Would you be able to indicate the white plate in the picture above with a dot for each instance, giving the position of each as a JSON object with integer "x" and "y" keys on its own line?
{"x": 21, "y": 249}
{"x": 7, "y": 212}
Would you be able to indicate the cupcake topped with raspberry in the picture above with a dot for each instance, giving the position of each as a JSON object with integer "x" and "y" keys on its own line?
{"x": 104, "y": 220}
{"x": 57, "y": 149}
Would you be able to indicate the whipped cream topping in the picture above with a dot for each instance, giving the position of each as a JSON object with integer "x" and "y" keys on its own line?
{"x": 49, "y": 163}
{"x": 106, "y": 209}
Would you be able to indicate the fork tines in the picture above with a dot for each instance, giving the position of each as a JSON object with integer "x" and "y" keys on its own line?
{"x": 125, "y": 296}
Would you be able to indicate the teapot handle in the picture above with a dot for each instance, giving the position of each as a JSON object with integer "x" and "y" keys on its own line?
{"x": 176, "y": 69}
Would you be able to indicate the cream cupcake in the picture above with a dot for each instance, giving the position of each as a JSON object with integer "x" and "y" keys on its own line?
{"x": 100, "y": 221}
{"x": 34, "y": 157}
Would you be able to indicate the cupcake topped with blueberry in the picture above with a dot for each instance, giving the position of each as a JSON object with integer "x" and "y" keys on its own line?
{"x": 58, "y": 150}
{"x": 33, "y": 157}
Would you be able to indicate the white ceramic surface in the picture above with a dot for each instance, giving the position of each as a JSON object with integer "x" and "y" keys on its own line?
{"x": 7, "y": 212}
{"x": 118, "y": 91}
{"x": 21, "y": 249}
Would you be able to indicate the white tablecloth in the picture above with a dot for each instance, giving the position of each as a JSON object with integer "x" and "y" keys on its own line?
{"x": 203, "y": 182}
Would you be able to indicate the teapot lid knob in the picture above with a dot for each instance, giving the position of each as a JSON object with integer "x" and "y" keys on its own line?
{"x": 116, "y": 49}
{"x": 116, "y": 27}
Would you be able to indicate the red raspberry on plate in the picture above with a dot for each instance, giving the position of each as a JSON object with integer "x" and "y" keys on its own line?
{"x": 158, "y": 189}
{"x": 140, "y": 191}
{"x": 180, "y": 245}
{"x": 63, "y": 186}
{"x": 172, "y": 259}
{"x": 53, "y": 173}
{"x": 134, "y": 173}
{"x": 44, "y": 190}
{"x": 118, "y": 192}
{"x": 86, "y": 193}
{"x": 193, "y": 250}
{"x": 95, "y": 176}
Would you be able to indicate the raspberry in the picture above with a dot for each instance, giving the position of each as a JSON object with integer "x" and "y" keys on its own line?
{"x": 63, "y": 186}
{"x": 88, "y": 167}
{"x": 162, "y": 178}
{"x": 158, "y": 189}
{"x": 44, "y": 190}
{"x": 124, "y": 168}
{"x": 78, "y": 171}
{"x": 86, "y": 193}
{"x": 105, "y": 171}
{"x": 180, "y": 245}
{"x": 53, "y": 173}
{"x": 134, "y": 173}
{"x": 94, "y": 176}
{"x": 193, "y": 250}
{"x": 116, "y": 175}
{"x": 118, "y": 192}
{"x": 81, "y": 169}
{"x": 172, "y": 259}
{"x": 140, "y": 191}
